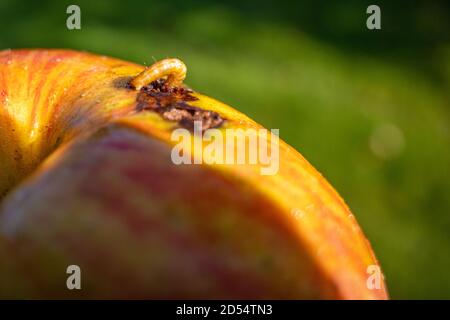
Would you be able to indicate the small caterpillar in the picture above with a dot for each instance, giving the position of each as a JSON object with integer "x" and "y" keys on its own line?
{"x": 173, "y": 69}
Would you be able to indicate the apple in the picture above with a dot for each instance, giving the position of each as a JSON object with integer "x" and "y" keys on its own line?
{"x": 87, "y": 179}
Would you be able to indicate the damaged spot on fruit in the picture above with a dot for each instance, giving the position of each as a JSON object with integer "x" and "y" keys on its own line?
{"x": 161, "y": 90}
{"x": 171, "y": 103}
{"x": 122, "y": 82}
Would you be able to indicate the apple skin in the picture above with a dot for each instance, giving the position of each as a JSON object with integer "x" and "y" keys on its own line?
{"x": 87, "y": 180}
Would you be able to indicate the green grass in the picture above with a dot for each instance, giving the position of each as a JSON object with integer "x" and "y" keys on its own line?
{"x": 330, "y": 93}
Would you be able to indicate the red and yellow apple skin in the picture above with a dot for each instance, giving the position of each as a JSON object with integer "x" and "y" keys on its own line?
{"x": 86, "y": 179}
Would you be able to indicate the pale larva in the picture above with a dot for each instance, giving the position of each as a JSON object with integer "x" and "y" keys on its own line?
{"x": 173, "y": 69}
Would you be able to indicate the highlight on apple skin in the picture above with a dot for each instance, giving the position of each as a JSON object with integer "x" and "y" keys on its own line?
{"x": 86, "y": 179}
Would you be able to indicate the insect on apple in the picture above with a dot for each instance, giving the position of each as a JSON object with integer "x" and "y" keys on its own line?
{"x": 173, "y": 69}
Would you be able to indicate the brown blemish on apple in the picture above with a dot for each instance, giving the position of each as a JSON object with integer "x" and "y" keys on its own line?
{"x": 161, "y": 90}
{"x": 122, "y": 82}
{"x": 171, "y": 103}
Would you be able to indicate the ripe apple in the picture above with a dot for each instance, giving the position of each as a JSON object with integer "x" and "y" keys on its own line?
{"x": 87, "y": 179}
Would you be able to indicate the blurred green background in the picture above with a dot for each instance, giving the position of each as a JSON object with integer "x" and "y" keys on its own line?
{"x": 370, "y": 109}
